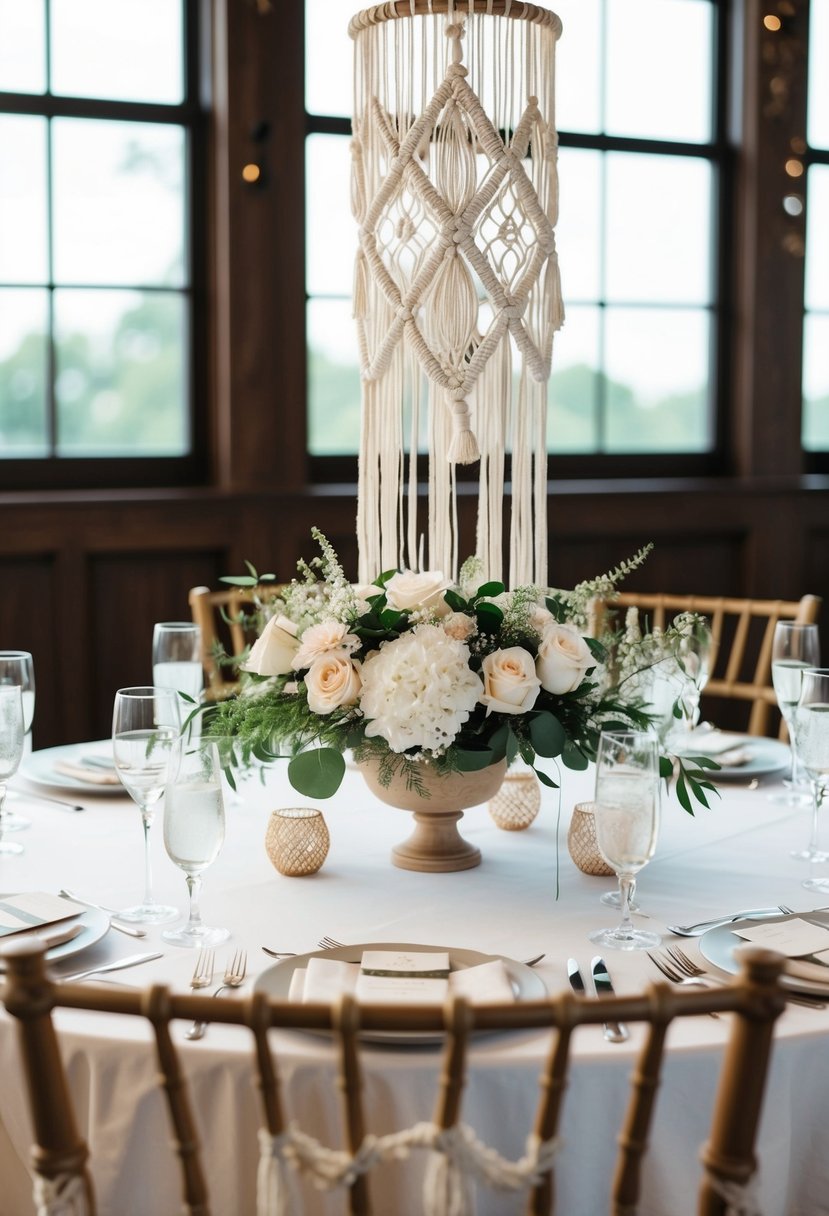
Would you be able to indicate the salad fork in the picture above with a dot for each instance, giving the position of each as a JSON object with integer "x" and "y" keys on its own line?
{"x": 676, "y": 966}
{"x": 233, "y": 977}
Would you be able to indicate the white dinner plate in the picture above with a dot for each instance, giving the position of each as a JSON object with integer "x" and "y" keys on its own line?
{"x": 717, "y": 946}
{"x": 526, "y": 985}
{"x": 763, "y": 757}
{"x": 39, "y": 768}
{"x": 94, "y": 925}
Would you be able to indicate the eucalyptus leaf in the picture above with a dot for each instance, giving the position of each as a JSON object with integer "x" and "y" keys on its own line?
{"x": 573, "y": 757}
{"x": 317, "y": 773}
{"x": 545, "y": 780}
{"x": 547, "y": 734}
{"x": 511, "y": 750}
{"x": 473, "y": 761}
{"x": 456, "y": 602}
{"x": 666, "y": 767}
{"x": 489, "y": 590}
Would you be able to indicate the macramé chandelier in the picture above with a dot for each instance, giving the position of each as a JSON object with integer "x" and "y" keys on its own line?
{"x": 456, "y": 293}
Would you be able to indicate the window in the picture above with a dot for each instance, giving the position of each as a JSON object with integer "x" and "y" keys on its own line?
{"x": 97, "y": 148}
{"x": 635, "y": 365}
{"x": 816, "y": 321}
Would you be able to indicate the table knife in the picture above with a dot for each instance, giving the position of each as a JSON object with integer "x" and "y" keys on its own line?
{"x": 575, "y": 977}
{"x": 132, "y": 961}
{"x": 614, "y": 1032}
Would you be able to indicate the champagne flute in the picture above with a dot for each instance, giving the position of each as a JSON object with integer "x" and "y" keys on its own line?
{"x": 177, "y": 657}
{"x": 17, "y": 667}
{"x": 145, "y": 724}
{"x": 695, "y": 657}
{"x": 627, "y": 821}
{"x": 194, "y": 829}
{"x": 795, "y": 647}
{"x": 11, "y": 752}
{"x": 811, "y": 725}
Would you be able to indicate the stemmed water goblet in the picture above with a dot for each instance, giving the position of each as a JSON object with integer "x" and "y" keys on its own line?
{"x": 145, "y": 725}
{"x": 626, "y": 811}
{"x": 795, "y": 647}
{"x": 811, "y": 725}
{"x": 11, "y": 752}
{"x": 17, "y": 667}
{"x": 194, "y": 829}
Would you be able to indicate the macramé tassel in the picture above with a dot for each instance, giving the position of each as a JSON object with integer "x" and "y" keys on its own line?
{"x": 273, "y": 1182}
{"x": 447, "y": 1187}
{"x": 463, "y": 448}
{"x": 65, "y": 1195}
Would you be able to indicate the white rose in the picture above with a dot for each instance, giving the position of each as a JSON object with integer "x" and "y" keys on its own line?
{"x": 563, "y": 658}
{"x": 331, "y": 681}
{"x": 319, "y": 639}
{"x": 510, "y": 682}
{"x": 540, "y": 617}
{"x": 363, "y": 592}
{"x": 272, "y": 654}
{"x": 459, "y": 625}
{"x": 407, "y": 590}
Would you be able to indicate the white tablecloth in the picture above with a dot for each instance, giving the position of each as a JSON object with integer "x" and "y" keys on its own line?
{"x": 525, "y": 898}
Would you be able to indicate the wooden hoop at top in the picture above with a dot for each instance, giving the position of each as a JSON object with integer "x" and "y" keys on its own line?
{"x": 393, "y": 9}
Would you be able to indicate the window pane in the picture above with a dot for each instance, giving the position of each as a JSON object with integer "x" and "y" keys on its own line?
{"x": 818, "y": 121}
{"x": 329, "y": 56}
{"x": 572, "y": 416}
{"x": 659, "y": 69}
{"x": 23, "y": 211}
{"x": 130, "y": 50}
{"x": 331, "y": 228}
{"x": 333, "y": 379}
{"x": 656, "y": 363}
{"x": 658, "y": 219}
{"x": 22, "y": 46}
{"x": 578, "y": 66}
{"x": 816, "y": 383}
{"x": 118, "y": 203}
{"x": 121, "y": 385}
{"x": 578, "y": 232}
{"x": 817, "y": 239}
{"x": 24, "y": 324}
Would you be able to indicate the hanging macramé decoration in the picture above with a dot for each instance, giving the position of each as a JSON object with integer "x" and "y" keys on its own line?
{"x": 456, "y": 291}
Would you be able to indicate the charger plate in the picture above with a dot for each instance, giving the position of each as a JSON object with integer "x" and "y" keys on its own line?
{"x": 763, "y": 756}
{"x": 526, "y": 985}
{"x": 717, "y": 946}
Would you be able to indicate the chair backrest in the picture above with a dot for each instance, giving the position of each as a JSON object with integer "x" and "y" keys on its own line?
{"x": 224, "y": 618}
{"x": 743, "y": 632}
{"x": 455, "y": 1157}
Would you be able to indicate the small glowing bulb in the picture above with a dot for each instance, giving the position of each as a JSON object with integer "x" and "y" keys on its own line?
{"x": 772, "y": 22}
{"x": 794, "y": 167}
{"x": 251, "y": 173}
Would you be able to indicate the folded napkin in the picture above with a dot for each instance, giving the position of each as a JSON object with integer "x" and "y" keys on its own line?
{"x": 325, "y": 979}
{"x": 83, "y": 772}
{"x": 32, "y": 910}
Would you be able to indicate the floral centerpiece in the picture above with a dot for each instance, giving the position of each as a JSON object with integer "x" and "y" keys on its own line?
{"x": 420, "y": 674}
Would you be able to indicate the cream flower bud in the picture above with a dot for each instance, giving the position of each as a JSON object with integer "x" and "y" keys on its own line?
{"x": 563, "y": 658}
{"x": 273, "y": 651}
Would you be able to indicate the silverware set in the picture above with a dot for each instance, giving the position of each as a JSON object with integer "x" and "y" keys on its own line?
{"x": 614, "y": 1032}
{"x": 702, "y": 926}
{"x": 202, "y": 977}
{"x": 677, "y": 967}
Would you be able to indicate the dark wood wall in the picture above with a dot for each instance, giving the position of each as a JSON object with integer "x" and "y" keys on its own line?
{"x": 85, "y": 577}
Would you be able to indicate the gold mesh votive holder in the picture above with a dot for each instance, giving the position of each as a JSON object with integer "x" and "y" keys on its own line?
{"x": 517, "y": 802}
{"x": 582, "y": 843}
{"x": 297, "y": 840}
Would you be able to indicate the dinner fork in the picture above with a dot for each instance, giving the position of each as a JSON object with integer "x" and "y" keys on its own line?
{"x": 331, "y": 943}
{"x": 686, "y": 971}
{"x": 233, "y": 977}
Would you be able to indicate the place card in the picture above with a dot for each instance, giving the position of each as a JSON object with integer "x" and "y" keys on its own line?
{"x": 32, "y": 910}
{"x": 792, "y": 938}
{"x": 400, "y": 990}
{"x": 406, "y": 964}
{"x": 483, "y": 983}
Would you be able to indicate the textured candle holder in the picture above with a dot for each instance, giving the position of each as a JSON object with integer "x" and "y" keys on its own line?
{"x": 517, "y": 802}
{"x": 582, "y": 843}
{"x": 297, "y": 840}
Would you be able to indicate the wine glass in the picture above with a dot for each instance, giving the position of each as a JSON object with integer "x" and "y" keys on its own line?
{"x": 145, "y": 724}
{"x": 194, "y": 829}
{"x": 17, "y": 667}
{"x": 695, "y": 658}
{"x": 177, "y": 659}
{"x": 11, "y": 752}
{"x": 811, "y": 725}
{"x": 626, "y": 813}
{"x": 794, "y": 648}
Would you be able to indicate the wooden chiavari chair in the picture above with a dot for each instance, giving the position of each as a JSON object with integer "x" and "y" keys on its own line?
{"x": 61, "y": 1158}
{"x": 224, "y": 618}
{"x": 743, "y": 632}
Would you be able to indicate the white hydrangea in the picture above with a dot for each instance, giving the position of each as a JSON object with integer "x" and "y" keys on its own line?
{"x": 418, "y": 690}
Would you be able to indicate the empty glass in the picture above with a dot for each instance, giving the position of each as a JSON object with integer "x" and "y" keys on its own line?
{"x": 17, "y": 667}
{"x": 145, "y": 725}
{"x": 11, "y": 752}
{"x": 626, "y": 811}
{"x": 811, "y": 725}
{"x": 194, "y": 829}
{"x": 795, "y": 647}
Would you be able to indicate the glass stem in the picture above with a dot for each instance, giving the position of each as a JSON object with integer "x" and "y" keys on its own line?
{"x": 194, "y": 889}
{"x": 2, "y": 809}
{"x": 626, "y": 886}
{"x": 146, "y": 823}
{"x": 816, "y": 800}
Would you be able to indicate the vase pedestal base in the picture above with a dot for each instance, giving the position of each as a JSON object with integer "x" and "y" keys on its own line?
{"x": 436, "y": 846}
